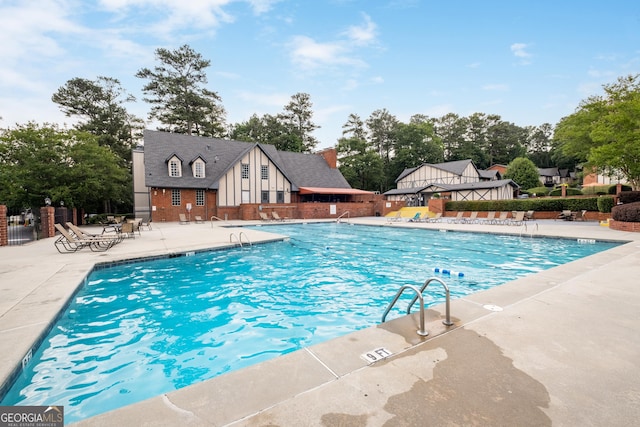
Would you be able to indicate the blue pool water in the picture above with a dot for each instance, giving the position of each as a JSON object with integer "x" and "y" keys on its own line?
{"x": 139, "y": 330}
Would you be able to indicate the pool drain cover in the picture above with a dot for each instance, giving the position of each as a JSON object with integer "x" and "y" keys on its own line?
{"x": 492, "y": 307}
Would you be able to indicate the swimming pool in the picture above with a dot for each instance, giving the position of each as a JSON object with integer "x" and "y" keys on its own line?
{"x": 139, "y": 330}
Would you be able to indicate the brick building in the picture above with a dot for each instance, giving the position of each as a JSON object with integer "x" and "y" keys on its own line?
{"x": 209, "y": 177}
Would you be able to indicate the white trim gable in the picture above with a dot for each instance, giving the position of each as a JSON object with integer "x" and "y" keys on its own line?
{"x": 244, "y": 183}
{"x": 198, "y": 168}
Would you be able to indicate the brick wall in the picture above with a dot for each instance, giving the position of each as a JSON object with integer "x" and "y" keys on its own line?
{"x": 624, "y": 226}
{"x": 166, "y": 212}
{"x": 4, "y": 232}
{"x": 47, "y": 221}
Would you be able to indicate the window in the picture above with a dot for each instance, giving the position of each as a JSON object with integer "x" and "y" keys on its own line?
{"x": 199, "y": 197}
{"x": 265, "y": 197}
{"x": 264, "y": 171}
{"x": 198, "y": 169}
{"x": 175, "y": 198}
{"x": 175, "y": 167}
{"x": 280, "y": 197}
{"x": 244, "y": 171}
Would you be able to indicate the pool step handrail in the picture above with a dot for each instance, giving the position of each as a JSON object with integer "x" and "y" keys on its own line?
{"x": 232, "y": 235}
{"x": 347, "y": 213}
{"x": 422, "y": 331}
{"x": 447, "y": 321}
{"x": 242, "y": 233}
{"x": 216, "y": 218}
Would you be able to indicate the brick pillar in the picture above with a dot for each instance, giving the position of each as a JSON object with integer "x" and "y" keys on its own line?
{"x": 564, "y": 190}
{"x": 4, "y": 232}
{"x": 47, "y": 221}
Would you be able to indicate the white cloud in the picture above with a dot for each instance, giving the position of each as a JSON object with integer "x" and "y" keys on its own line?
{"x": 262, "y": 6}
{"x": 265, "y": 99}
{"x": 496, "y": 87}
{"x": 518, "y": 50}
{"x": 179, "y": 14}
{"x": 28, "y": 29}
{"x": 310, "y": 54}
{"x": 362, "y": 35}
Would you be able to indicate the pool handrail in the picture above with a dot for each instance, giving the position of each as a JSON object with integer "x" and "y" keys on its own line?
{"x": 347, "y": 213}
{"x": 447, "y": 321}
{"x": 422, "y": 331}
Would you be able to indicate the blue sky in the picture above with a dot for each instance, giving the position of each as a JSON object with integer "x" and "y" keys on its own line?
{"x": 531, "y": 62}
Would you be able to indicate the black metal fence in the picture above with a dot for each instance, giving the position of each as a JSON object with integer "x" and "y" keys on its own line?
{"x": 23, "y": 226}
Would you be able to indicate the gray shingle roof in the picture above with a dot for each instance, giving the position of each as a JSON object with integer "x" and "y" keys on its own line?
{"x": 454, "y": 187}
{"x": 456, "y": 167}
{"x": 303, "y": 170}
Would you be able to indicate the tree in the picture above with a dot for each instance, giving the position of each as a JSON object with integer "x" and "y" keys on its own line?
{"x": 65, "y": 165}
{"x": 415, "y": 143}
{"x": 381, "y": 125}
{"x": 361, "y": 167}
{"x": 539, "y": 145}
{"x": 297, "y": 116}
{"x": 354, "y": 128}
{"x": 100, "y": 106}
{"x": 505, "y": 142}
{"x": 451, "y": 129}
{"x": 604, "y": 130}
{"x": 523, "y": 172}
{"x": 177, "y": 94}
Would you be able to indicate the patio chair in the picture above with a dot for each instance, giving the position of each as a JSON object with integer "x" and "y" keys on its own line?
{"x": 528, "y": 216}
{"x": 457, "y": 219}
{"x": 198, "y": 219}
{"x": 472, "y": 219}
{"x": 145, "y": 223}
{"x": 129, "y": 229}
{"x": 491, "y": 216}
{"x": 580, "y": 216}
{"x": 183, "y": 219}
{"x": 67, "y": 242}
{"x": 566, "y": 215}
{"x": 436, "y": 218}
{"x": 81, "y": 234}
{"x": 264, "y": 216}
{"x": 277, "y": 217}
{"x": 518, "y": 219}
{"x": 398, "y": 217}
{"x": 502, "y": 219}
{"x": 416, "y": 217}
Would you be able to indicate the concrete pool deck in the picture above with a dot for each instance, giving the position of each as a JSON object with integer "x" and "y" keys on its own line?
{"x": 563, "y": 350}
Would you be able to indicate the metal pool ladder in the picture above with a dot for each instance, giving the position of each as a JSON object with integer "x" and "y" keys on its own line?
{"x": 238, "y": 238}
{"x": 422, "y": 331}
{"x": 347, "y": 213}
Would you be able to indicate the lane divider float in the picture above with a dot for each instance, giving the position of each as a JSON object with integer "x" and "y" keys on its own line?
{"x": 448, "y": 272}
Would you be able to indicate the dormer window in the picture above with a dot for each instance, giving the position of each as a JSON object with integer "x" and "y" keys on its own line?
{"x": 197, "y": 168}
{"x": 175, "y": 167}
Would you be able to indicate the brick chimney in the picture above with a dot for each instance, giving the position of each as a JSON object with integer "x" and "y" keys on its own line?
{"x": 330, "y": 156}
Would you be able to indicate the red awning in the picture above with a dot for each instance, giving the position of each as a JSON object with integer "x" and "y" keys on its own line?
{"x": 321, "y": 190}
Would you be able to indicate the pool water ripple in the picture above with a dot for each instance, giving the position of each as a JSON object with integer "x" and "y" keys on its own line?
{"x": 139, "y": 330}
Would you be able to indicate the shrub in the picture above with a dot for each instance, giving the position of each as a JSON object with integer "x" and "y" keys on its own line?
{"x": 543, "y": 204}
{"x": 538, "y": 191}
{"x": 570, "y": 192}
{"x": 629, "y": 212}
{"x": 613, "y": 189}
{"x": 605, "y": 204}
{"x": 630, "y": 196}
{"x": 596, "y": 190}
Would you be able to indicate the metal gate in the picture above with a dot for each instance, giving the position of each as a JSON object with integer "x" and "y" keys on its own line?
{"x": 23, "y": 226}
